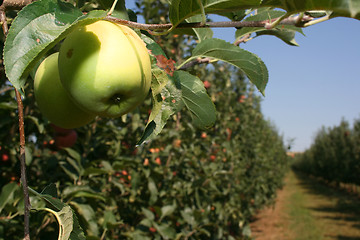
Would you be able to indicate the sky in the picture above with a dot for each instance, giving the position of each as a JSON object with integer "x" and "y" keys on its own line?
{"x": 316, "y": 84}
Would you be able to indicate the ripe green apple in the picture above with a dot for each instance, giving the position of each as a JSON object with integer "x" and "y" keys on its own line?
{"x": 105, "y": 68}
{"x": 52, "y": 99}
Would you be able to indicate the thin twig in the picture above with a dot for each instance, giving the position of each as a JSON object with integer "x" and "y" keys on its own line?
{"x": 23, "y": 167}
{"x": 22, "y": 144}
{"x": 243, "y": 39}
{"x": 195, "y": 62}
{"x": 6, "y": 89}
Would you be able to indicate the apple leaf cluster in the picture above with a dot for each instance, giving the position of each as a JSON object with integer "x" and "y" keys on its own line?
{"x": 42, "y": 25}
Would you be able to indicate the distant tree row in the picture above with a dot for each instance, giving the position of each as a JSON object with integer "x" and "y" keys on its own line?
{"x": 334, "y": 155}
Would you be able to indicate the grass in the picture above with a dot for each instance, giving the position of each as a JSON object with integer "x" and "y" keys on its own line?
{"x": 318, "y": 212}
{"x": 303, "y": 224}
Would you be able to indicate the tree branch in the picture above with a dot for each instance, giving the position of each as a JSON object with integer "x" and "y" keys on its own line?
{"x": 23, "y": 167}
{"x": 22, "y": 145}
{"x": 237, "y": 24}
{"x": 14, "y": 4}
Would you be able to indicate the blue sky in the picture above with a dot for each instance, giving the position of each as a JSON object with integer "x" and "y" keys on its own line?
{"x": 316, "y": 84}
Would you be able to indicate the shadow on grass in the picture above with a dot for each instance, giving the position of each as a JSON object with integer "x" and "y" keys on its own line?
{"x": 339, "y": 237}
{"x": 344, "y": 210}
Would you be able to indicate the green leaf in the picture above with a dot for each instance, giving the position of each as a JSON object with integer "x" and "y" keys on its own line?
{"x": 340, "y": 8}
{"x": 37, "y": 28}
{"x": 152, "y": 46}
{"x": 248, "y": 62}
{"x": 196, "y": 100}
{"x": 148, "y": 214}
{"x": 81, "y": 191}
{"x": 201, "y": 33}
{"x": 165, "y": 231}
{"x": 35, "y": 120}
{"x": 8, "y": 105}
{"x": 87, "y": 213}
{"x": 7, "y": 194}
{"x": 28, "y": 155}
{"x": 188, "y": 216}
{"x": 153, "y": 191}
{"x": 234, "y": 15}
{"x": 167, "y": 210}
{"x": 167, "y": 100}
{"x": 73, "y": 154}
{"x": 162, "y": 86}
{"x": 183, "y": 9}
{"x": 284, "y": 32}
{"x": 65, "y": 220}
{"x": 51, "y": 190}
{"x": 68, "y": 223}
{"x": 110, "y": 220}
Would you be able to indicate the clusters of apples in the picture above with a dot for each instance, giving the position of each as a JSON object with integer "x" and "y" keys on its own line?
{"x": 102, "y": 69}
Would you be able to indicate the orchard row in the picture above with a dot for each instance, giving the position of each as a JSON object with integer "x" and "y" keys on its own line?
{"x": 334, "y": 154}
{"x": 188, "y": 182}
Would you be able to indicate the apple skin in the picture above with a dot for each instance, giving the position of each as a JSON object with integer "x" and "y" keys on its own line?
{"x": 105, "y": 68}
{"x": 59, "y": 130}
{"x": 66, "y": 140}
{"x": 52, "y": 99}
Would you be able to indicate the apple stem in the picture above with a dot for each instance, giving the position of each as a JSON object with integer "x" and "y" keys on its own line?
{"x": 112, "y": 8}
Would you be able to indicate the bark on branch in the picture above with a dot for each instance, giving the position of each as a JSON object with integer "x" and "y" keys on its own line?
{"x": 295, "y": 21}
{"x": 14, "y": 4}
{"x": 24, "y": 183}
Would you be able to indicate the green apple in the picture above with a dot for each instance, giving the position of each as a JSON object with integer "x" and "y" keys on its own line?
{"x": 105, "y": 68}
{"x": 52, "y": 99}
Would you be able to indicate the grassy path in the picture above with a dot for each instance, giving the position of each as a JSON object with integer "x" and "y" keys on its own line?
{"x": 307, "y": 210}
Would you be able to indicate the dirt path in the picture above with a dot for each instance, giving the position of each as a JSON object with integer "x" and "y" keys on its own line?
{"x": 306, "y": 210}
{"x": 272, "y": 223}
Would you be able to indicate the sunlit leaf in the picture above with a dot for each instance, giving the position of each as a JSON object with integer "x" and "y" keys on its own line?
{"x": 6, "y": 194}
{"x": 166, "y": 97}
{"x": 182, "y": 9}
{"x": 249, "y": 63}
{"x": 69, "y": 227}
{"x": 196, "y": 100}
{"x": 37, "y": 28}
{"x": 343, "y": 8}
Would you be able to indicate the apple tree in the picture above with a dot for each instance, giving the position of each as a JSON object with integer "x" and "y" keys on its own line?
{"x": 35, "y": 30}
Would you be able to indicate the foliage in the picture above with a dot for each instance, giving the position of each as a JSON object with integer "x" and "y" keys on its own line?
{"x": 41, "y": 25}
{"x": 188, "y": 183}
{"x": 334, "y": 155}
{"x": 213, "y": 166}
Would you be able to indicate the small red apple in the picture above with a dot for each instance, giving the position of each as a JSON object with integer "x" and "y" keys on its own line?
{"x": 67, "y": 140}
{"x": 60, "y": 130}
{"x": 207, "y": 84}
{"x": 5, "y": 157}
